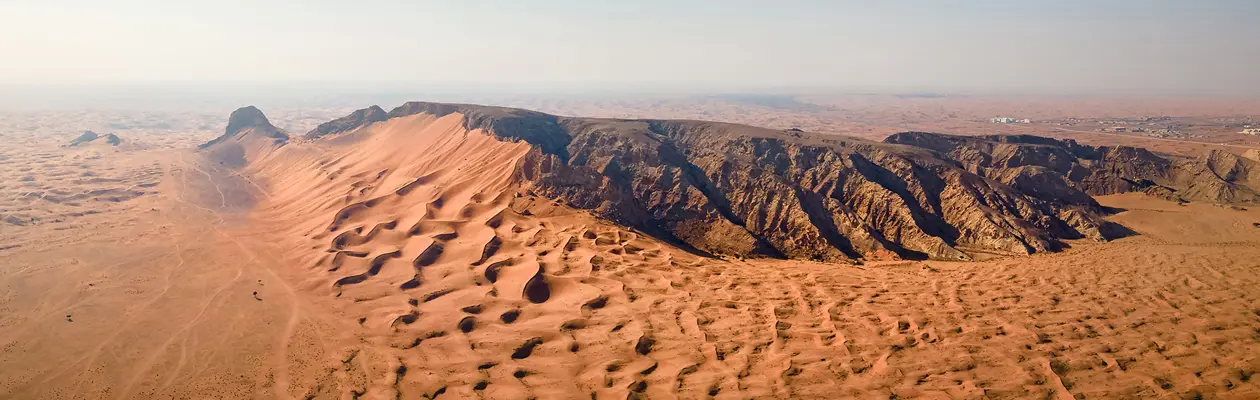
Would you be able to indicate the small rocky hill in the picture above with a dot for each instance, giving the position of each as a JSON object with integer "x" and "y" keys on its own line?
{"x": 90, "y": 137}
{"x": 85, "y": 137}
{"x": 248, "y": 134}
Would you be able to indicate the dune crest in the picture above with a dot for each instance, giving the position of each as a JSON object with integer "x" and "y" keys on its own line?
{"x": 420, "y": 230}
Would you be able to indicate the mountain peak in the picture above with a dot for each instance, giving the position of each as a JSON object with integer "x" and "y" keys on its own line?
{"x": 247, "y": 117}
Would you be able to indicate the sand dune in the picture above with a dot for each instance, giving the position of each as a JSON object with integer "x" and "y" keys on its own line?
{"x": 468, "y": 288}
{"x": 405, "y": 258}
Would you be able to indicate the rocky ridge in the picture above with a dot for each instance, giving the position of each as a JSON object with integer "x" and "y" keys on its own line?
{"x": 743, "y": 191}
{"x": 355, "y": 120}
{"x": 1045, "y": 167}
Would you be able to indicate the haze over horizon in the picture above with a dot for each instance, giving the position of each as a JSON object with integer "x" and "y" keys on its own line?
{"x": 1037, "y": 47}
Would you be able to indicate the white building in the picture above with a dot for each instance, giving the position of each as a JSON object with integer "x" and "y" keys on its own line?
{"x": 1009, "y": 120}
{"x": 1251, "y": 131}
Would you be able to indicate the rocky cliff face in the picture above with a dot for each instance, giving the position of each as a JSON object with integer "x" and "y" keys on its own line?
{"x": 746, "y": 191}
{"x": 741, "y": 190}
{"x": 1048, "y": 168}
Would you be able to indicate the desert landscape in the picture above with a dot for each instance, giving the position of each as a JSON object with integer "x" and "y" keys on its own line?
{"x": 537, "y": 200}
{"x": 442, "y": 250}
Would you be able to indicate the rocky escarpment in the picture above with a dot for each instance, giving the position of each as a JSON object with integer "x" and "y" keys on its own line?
{"x": 1047, "y": 168}
{"x": 740, "y": 190}
{"x": 746, "y": 191}
{"x": 348, "y": 123}
{"x": 735, "y": 189}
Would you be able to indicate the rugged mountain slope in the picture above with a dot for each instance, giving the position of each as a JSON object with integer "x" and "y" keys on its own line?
{"x": 248, "y": 136}
{"x": 735, "y": 189}
{"x": 1046, "y": 167}
{"x": 746, "y": 191}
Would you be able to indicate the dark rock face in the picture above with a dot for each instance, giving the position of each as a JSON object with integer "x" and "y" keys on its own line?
{"x": 348, "y": 123}
{"x": 253, "y": 119}
{"x": 747, "y": 191}
{"x": 248, "y": 135}
{"x": 1048, "y": 168}
{"x": 733, "y": 189}
{"x": 87, "y": 136}
{"x": 539, "y": 129}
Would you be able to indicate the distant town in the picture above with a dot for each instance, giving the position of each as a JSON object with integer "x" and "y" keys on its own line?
{"x": 1008, "y": 120}
{"x": 1240, "y": 129}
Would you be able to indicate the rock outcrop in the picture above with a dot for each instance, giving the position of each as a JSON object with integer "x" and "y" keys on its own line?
{"x": 745, "y": 191}
{"x": 540, "y": 129}
{"x": 1219, "y": 176}
{"x": 89, "y": 136}
{"x": 1253, "y": 154}
{"x": 86, "y": 136}
{"x": 733, "y": 189}
{"x": 248, "y": 135}
{"x": 348, "y": 123}
{"x": 249, "y": 121}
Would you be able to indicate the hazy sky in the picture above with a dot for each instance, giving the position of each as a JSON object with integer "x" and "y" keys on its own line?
{"x": 1007, "y": 46}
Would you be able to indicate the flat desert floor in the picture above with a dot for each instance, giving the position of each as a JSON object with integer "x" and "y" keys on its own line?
{"x": 150, "y": 272}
